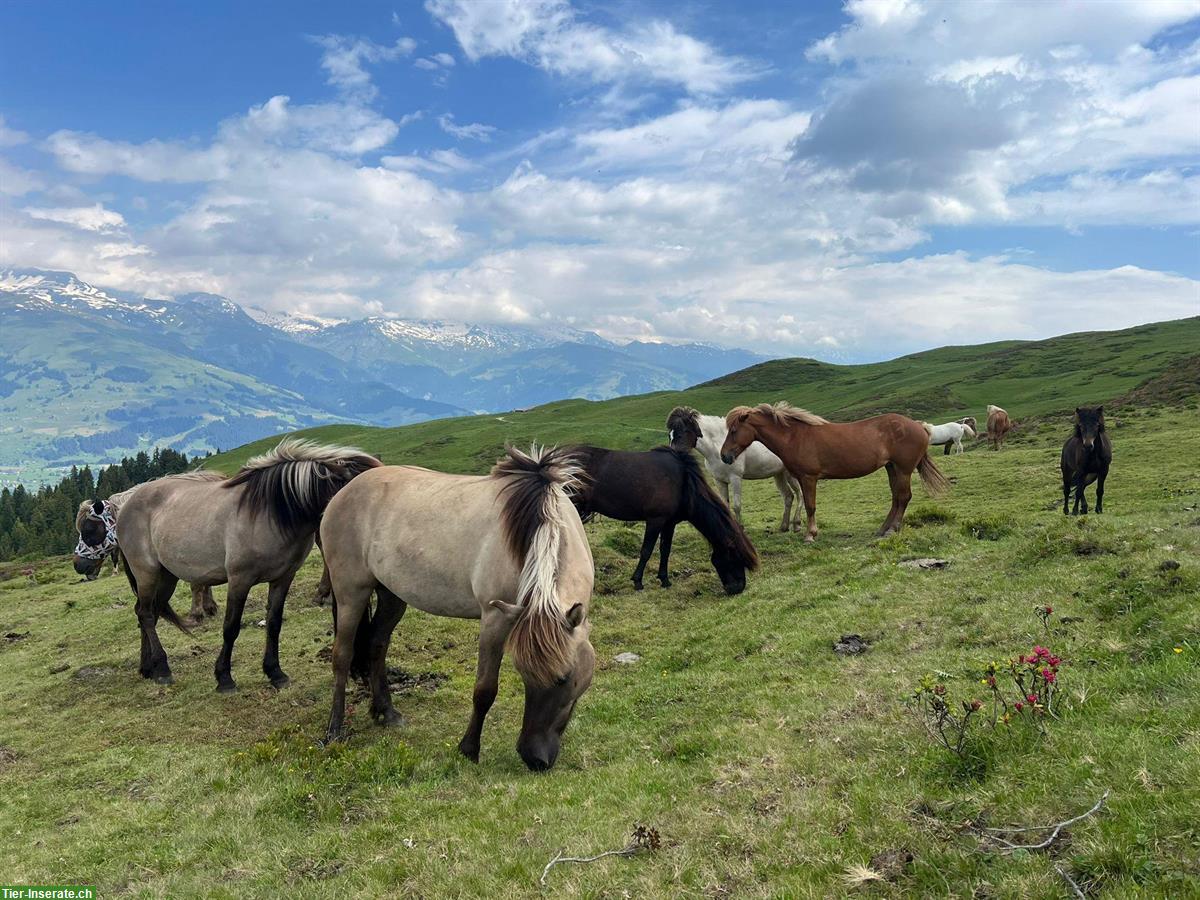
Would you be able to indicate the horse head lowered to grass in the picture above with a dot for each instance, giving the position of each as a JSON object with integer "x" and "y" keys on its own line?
{"x": 663, "y": 487}
{"x": 507, "y": 548}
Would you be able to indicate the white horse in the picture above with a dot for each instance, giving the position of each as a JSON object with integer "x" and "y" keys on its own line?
{"x": 949, "y": 433}
{"x": 688, "y": 429}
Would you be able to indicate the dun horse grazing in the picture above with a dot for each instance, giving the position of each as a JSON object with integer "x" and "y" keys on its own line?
{"x": 950, "y": 434}
{"x": 1086, "y": 456}
{"x": 257, "y": 526}
{"x": 813, "y": 448}
{"x": 96, "y": 522}
{"x": 687, "y": 429}
{"x": 998, "y": 425}
{"x": 506, "y": 548}
{"x": 663, "y": 487}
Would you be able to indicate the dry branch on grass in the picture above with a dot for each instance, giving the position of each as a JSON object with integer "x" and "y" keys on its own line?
{"x": 642, "y": 838}
{"x": 1055, "y": 829}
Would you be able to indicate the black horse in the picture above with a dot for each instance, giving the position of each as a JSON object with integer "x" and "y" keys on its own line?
{"x": 1086, "y": 457}
{"x": 663, "y": 487}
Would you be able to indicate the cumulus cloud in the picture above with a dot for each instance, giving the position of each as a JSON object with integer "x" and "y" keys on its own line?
{"x": 11, "y": 137}
{"x": 550, "y": 34}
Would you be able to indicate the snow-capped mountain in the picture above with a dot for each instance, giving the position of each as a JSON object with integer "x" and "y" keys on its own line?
{"x": 87, "y": 373}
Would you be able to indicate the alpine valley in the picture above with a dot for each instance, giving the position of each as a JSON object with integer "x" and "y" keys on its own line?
{"x": 88, "y": 375}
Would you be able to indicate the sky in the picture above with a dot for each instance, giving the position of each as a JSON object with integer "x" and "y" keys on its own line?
{"x": 850, "y": 181}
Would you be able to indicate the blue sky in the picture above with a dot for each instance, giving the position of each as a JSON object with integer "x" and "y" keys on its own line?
{"x": 850, "y": 181}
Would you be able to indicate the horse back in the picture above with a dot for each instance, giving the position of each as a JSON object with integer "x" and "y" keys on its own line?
{"x": 632, "y": 485}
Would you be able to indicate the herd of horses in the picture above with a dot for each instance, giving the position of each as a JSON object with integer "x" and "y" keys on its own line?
{"x": 508, "y": 548}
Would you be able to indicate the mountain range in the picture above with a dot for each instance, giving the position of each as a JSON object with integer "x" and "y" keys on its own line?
{"x": 89, "y": 374}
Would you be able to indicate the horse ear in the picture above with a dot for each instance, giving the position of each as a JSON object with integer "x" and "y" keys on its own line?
{"x": 510, "y": 610}
{"x": 1100, "y": 410}
{"x": 98, "y": 507}
{"x": 575, "y": 615}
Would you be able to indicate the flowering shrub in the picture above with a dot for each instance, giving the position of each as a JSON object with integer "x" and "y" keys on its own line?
{"x": 1023, "y": 690}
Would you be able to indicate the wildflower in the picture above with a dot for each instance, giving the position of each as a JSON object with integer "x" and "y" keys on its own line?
{"x": 976, "y": 705}
{"x": 1049, "y": 676}
{"x": 1032, "y": 698}
{"x": 1178, "y": 649}
{"x": 990, "y": 681}
{"x": 1019, "y": 706}
{"x": 939, "y": 689}
{"x": 1049, "y": 609}
{"x": 1054, "y": 661}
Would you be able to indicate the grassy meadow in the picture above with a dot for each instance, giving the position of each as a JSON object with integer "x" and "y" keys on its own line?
{"x": 769, "y": 765}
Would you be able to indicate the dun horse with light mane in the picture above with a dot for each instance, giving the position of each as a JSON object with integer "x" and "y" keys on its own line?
{"x": 998, "y": 426}
{"x": 255, "y": 527}
{"x": 506, "y": 548}
{"x": 814, "y": 448}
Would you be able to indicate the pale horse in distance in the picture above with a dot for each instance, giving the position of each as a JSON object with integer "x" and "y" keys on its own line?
{"x": 688, "y": 429}
{"x": 949, "y": 433}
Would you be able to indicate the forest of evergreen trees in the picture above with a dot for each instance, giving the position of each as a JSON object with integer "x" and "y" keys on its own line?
{"x": 43, "y": 524}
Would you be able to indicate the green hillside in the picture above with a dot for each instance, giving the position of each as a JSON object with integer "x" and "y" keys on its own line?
{"x": 1029, "y": 379}
{"x": 770, "y": 765}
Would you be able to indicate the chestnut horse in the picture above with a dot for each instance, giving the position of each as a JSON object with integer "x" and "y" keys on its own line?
{"x": 813, "y": 448}
{"x": 998, "y": 425}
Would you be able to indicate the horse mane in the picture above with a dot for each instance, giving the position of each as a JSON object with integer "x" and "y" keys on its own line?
{"x": 535, "y": 483}
{"x": 709, "y": 514}
{"x": 992, "y": 410}
{"x": 781, "y": 412}
{"x": 681, "y": 415}
{"x": 294, "y": 482}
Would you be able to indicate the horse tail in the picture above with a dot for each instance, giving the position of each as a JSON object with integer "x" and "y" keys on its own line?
{"x": 537, "y": 486}
{"x": 128, "y": 571}
{"x": 709, "y": 513}
{"x": 294, "y": 482}
{"x": 931, "y": 476}
{"x": 928, "y": 426}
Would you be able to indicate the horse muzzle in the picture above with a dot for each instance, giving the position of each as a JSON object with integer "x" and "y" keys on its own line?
{"x": 727, "y": 457}
{"x": 539, "y": 754}
{"x": 88, "y": 568}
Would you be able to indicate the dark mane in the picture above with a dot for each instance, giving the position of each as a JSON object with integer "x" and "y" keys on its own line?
{"x": 527, "y": 479}
{"x": 295, "y": 482}
{"x": 709, "y": 514}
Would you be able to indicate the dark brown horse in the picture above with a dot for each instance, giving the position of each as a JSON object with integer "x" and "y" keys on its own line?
{"x": 1086, "y": 456}
{"x": 663, "y": 487}
{"x": 813, "y": 448}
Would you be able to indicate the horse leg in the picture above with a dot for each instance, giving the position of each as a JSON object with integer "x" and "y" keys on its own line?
{"x": 1100, "y": 490}
{"x": 808, "y": 487}
{"x": 945, "y": 450}
{"x": 350, "y": 604}
{"x": 737, "y": 497}
{"x": 664, "y": 554}
{"x": 150, "y": 598}
{"x": 208, "y": 604}
{"x": 894, "y": 483}
{"x": 653, "y": 527}
{"x": 794, "y": 485}
{"x": 724, "y": 491}
{"x": 1066, "y": 478}
{"x": 276, "y": 597}
{"x": 785, "y": 492}
{"x": 324, "y": 589}
{"x": 112, "y": 558}
{"x": 388, "y": 611}
{"x": 196, "y": 613}
{"x": 493, "y": 630}
{"x": 1080, "y": 499}
{"x": 235, "y": 604}
{"x": 901, "y": 495}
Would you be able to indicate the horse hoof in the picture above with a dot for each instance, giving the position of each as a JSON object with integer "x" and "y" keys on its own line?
{"x": 164, "y": 679}
{"x": 665, "y": 582}
{"x": 281, "y": 682}
{"x": 226, "y": 687}
{"x": 810, "y": 539}
{"x": 637, "y": 585}
{"x": 470, "y": 751}
{"x": 389, "y": 718}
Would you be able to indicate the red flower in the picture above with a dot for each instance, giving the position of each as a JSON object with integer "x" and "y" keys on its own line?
{"x": 1055, "y": 661}
{"x": 976, "y": 705}
{"x": 1032, "y": 698}
{"x": 1019, "y": 706}
{"x": 1049, "y": 609}
{"x": 1049, "y": 676}
{"x": 991, "y": 680}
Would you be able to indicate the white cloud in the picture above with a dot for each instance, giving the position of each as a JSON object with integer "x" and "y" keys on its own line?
{"x": 474, "y": 131}
{"x": 345, "y": 57}
{"x": 85, "y": 218}
{"x": 551, "y": 35}
{"x": 11, "y": 137}
{"x": 15, "y": 181}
